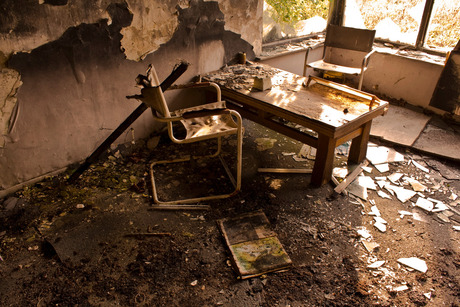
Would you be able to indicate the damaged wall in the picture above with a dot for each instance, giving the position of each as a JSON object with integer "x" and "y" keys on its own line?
{"x": 77, "y": 61}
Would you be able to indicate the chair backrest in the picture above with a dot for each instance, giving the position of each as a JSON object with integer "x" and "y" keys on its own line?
{"x": 349, "y": 38}
{"x": 153, "y": 96}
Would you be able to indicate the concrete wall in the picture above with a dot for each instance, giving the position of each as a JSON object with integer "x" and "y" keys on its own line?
{"x": 388, "y": 75}
{"x": 67, "y": 65}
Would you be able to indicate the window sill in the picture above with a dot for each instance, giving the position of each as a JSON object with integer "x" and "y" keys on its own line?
{"x": 286, "y": 47}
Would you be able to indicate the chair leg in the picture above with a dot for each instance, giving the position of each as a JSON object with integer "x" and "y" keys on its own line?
{"x": 236, "y": 184}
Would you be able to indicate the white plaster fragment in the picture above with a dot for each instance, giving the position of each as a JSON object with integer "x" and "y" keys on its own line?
{"x": 414, "y": 263}
{"x": 425, "y": 204}
{"x": 376, "y": 264}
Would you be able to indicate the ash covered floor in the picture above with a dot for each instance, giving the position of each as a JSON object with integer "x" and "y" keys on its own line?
{"x": 99, "y": 242}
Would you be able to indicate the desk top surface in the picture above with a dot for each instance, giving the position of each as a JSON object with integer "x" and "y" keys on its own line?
{"x": 326, "y": 102}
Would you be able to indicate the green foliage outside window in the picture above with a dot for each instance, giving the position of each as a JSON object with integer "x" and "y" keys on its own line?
{"x": 291, "y": 11}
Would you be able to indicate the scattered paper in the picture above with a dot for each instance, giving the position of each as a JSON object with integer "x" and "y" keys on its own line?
{"x": 383, "y": 194}
{"x": 307, "y": 151}
{"x": 367, "y": 182}
{"x": 418, "y": 165}
{"x": 395, "y": 177}
{"x": 374, "y": 211}
{"x": 367, "y": 169}
{"x": 265, "y": 143}
{"x": 380, "y": 226}
{"x": 456, "y": 228}
{"x": 414, "y": 263}
{"x": 425, "y": 204}
{"x": 363, "y": 232}
{"x": 382, "y": 183}
{"x": 418, "y": 217}
{"x": 382, "y": 168}
{"x": 453, "y": 196}
{"x": 378, "y": 219}
{"x": 382, "y": 154}
{"x": 376, "y": 264}
{"x": 402, "y": 194}
{"x": 416, "y": 185}
{"x": 401, "y": 288}
{"x": 370, "y": 246}
{"x": 340, "y": 172}
{"x": 357, "y": 190}
{"x": 403, "y": 213}
{"x": 443, "y": 218}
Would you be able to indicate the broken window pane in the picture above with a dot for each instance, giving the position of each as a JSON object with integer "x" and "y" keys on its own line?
{"x": 293, "y": 18}
{"x": 393, "y": 20}
{"x": 444, "y": 27}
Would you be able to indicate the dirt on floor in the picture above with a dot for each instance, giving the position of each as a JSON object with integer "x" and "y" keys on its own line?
{"x": 99, "y": 241}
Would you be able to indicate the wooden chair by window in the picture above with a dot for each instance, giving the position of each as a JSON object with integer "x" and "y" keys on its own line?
{"x": 346, "y": 50}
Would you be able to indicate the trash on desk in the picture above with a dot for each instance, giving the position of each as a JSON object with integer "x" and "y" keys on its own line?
{"x": 255, "y": 248}
{"x": 262, "y": 83}
{"x": 414, "y": 263}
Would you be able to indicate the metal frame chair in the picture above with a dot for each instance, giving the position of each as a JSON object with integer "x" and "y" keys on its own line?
{"x": 349, "y": 39}
{"x": 203, "y": 122}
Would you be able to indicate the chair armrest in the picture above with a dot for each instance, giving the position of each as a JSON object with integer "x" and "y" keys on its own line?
{"x": 366, "y": 58}
{"x": 307, "y": 52}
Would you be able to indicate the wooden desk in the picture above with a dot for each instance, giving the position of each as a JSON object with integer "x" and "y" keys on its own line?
{"x": 335, "y": 113}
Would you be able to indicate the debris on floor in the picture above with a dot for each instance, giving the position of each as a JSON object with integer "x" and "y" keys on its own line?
{"x": 254, "y": 246}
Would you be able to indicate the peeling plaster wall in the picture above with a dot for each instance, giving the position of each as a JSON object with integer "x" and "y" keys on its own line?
{"x": 77, "y": 61}
{"x": 251, "y": 12}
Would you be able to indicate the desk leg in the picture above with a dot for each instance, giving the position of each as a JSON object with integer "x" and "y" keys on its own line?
{"x": 322, "y": 170}
{"x": 358, "y": 147}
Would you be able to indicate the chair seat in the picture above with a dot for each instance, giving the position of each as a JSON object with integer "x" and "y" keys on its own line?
{"x": 320, "y": 64}
{"x": 212, "y": 126}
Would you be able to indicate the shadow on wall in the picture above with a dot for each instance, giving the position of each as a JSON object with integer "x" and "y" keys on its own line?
{"x": 73, "y": 89}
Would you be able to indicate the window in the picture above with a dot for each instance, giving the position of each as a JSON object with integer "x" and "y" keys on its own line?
{"x": 426, "y": 24}
{"x": 284, "y": 19}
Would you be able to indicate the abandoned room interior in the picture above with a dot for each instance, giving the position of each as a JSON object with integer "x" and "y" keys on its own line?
{"x": 230, "y": 153}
